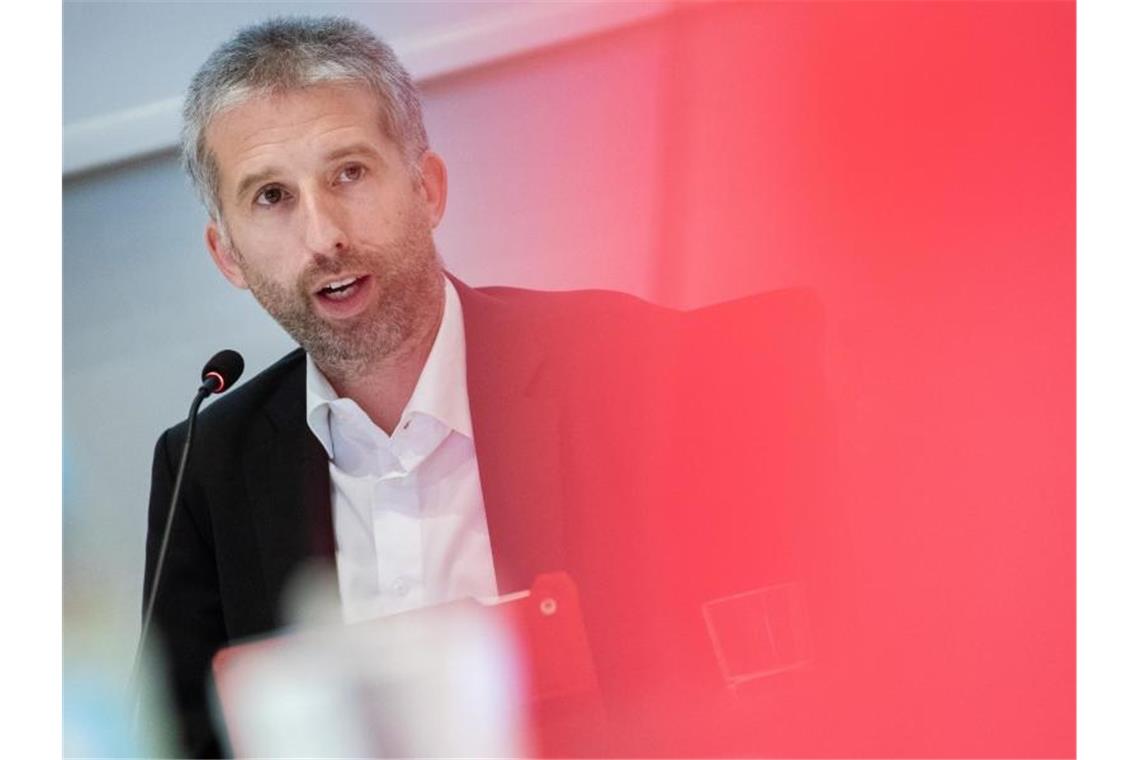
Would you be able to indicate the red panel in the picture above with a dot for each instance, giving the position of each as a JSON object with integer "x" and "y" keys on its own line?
{"x": 914, "y": 163}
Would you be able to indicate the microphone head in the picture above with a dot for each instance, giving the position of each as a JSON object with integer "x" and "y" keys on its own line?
{"x": 222, "y": 371}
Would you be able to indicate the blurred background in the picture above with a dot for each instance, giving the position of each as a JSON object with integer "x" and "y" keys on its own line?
{"x": 913, "y": 163}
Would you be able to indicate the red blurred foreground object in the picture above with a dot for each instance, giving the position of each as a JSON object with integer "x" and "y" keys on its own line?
{"x": 522, "y": 664}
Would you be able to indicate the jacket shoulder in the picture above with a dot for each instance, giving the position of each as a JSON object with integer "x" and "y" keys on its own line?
{"x": 797, "y": 304}
{"x": 597, "y": 320}
{"x": 554, "y": 302}
{"x": 233, "y": 411}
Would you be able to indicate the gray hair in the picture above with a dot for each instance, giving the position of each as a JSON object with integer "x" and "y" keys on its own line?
{"x": 290, "y": 53}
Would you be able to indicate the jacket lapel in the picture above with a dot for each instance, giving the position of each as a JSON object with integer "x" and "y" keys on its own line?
{"x": 287, "y": 480}
{"x": 517, "y": 443}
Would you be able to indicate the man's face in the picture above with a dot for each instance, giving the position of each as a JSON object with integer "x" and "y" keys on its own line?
{"x": 326, "y": 224}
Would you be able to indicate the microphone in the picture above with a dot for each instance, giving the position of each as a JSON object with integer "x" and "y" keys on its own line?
{"x": 219, "y": 374}
{"x": 222, "y": 371}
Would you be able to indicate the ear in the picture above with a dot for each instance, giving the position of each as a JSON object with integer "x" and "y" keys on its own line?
{"x": 433, "y": 185}
{"x": 222, "y": 254}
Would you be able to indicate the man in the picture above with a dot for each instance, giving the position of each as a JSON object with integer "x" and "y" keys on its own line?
{"x": 434, "y": 442}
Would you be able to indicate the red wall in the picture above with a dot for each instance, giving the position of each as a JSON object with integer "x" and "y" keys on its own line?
{"x": 915, "y": 164}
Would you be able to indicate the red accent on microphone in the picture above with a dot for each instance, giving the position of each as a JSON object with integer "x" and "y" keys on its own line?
{"x": 221, "y": 381}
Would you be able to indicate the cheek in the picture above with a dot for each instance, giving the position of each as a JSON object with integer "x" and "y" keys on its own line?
{"x": 268, "y": 245}
{"x": 379, "y": 214}
{"x": 268, "y": 237}
{"x": 266, "y": 263}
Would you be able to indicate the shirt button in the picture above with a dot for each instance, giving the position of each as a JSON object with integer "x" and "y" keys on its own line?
{"x": 401, "y": 586}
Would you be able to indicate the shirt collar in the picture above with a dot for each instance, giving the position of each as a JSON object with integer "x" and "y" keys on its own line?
{"x": 318, "y": 395}
{"x": 440, "y": 392}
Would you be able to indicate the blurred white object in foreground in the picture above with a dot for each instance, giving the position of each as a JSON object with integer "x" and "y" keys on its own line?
{"x": 441, "y": 681}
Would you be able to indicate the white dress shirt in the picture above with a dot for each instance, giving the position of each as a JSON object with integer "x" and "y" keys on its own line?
{"x": 407, "y": 508}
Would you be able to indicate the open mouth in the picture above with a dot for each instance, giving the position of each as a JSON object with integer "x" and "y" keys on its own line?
{"x": 345, "y": 297}
{"x": 341, "y": 289}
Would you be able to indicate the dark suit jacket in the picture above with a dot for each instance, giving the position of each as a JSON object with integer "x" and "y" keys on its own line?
{"x": 662, "y": 459}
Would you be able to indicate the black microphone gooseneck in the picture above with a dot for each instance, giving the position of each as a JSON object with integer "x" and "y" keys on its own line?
{"x": 219, "y": 374}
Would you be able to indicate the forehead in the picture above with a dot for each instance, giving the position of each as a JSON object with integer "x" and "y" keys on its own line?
{"x": 290, "y": 127}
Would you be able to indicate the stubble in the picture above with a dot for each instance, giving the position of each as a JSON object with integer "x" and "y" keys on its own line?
{"x": 408, "y": 279}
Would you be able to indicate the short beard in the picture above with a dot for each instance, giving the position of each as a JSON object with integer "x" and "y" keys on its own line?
{"x": 408, "y": 276}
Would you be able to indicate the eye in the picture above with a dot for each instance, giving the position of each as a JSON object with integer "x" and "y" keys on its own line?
{"x": 270, "y": 196}
{"x": 351, "y": 173}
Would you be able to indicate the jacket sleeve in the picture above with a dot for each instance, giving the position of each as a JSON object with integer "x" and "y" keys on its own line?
{"x": 188, "y": 627}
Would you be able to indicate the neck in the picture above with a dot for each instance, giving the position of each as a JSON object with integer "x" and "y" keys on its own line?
{"x": 382, "y": 388}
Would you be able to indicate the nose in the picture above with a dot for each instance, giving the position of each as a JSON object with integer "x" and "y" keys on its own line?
{"x": 325, "y": 225}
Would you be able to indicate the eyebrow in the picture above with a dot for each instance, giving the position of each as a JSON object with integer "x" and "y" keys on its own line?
{"x": 252, "y": 180}
{"x": 356, "y": 149}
